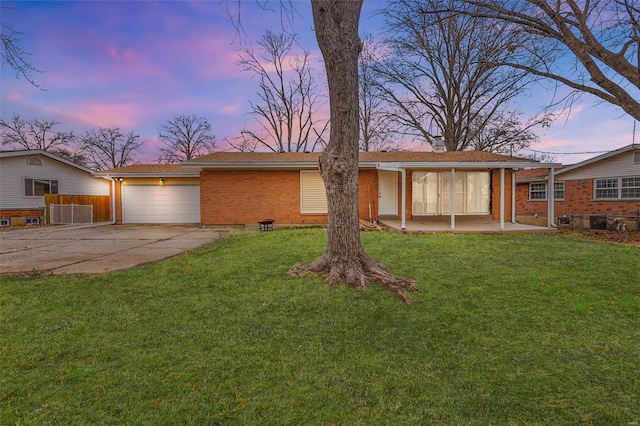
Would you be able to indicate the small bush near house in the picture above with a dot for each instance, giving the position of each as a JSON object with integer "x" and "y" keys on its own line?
{"x": 507, "y": 329}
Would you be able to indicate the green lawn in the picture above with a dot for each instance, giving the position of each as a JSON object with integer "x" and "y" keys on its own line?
{"x": 507, "y": 329}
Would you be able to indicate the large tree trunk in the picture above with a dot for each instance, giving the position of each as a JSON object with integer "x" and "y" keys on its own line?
{"x": 344, "y": 261}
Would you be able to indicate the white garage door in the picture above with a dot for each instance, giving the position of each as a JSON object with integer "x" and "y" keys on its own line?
{"x": 161, "y": 204}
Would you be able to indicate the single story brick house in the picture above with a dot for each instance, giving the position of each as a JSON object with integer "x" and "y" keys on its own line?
{"x": 243, "y": 188}
{"x": 608, "y": 184}
{"x": 27, "y": 175}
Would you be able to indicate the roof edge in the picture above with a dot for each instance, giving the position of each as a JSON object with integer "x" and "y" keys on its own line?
{"x": 26, "y": 152}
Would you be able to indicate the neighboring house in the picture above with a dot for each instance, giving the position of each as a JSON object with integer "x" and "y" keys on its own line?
{"x": 608, "y": 184}
{"x": 237, "y": 188}
{"x": 26, "y": 176}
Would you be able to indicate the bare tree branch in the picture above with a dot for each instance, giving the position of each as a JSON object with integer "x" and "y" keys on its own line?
{"x": 185, "y": 137}
{"x": 34, "y": 134}
{"x": 441, "y": 76}
{"x": 109, "y": 148}
{"x": 376, "y": 126}
{"x": 601, "y": 36}
{"x": 13, "y": 55}
{"x": 287, "y": 90}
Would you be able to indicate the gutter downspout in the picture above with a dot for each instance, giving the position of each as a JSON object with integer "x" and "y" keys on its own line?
{"x": 513, "y": 196}
{"x": 502, "y": 199}
{"x": 551, "y": 200}
{"x": 453, "y": 199}
{"x": 403, "y": 174}
{"x": 113, "y": 201}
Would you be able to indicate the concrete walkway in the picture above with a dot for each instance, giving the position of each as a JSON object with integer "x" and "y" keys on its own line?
{"x": 96, "y": 248}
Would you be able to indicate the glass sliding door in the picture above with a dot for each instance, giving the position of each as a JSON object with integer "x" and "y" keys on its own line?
{"x": 460, "y": 192}
{"x": 478, "y": 192}
{"x": 425, "y": 197}
{"x": 431, "y": 193}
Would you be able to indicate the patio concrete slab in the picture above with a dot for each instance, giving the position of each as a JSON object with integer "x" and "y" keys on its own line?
{"x": 96, "y": 248}
{"x": 463, "y": 225}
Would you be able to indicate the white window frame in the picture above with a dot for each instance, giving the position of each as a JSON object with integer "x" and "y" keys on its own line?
{"x": 313, "y": 195}
{"x": 557, "y": 187}
{"x": 5, "y": 222}
{"x": 33, "y": 182}
{"x": 32, "y": 221}
{"x": 635, "y": 180}
{"x": 542, "y": 191}
{"x": 619, "y": 185}
{"x": 34, "y": 161}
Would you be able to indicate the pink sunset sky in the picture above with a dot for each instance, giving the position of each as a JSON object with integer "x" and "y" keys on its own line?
{"x": 136, "y": 64}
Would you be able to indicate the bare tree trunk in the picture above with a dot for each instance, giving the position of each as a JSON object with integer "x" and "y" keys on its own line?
{"x": 344, "y": 261}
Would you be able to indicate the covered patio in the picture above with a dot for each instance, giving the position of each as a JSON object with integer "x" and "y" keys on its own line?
{"x": 470, "y": 223}
{"x": 463, "y": 225}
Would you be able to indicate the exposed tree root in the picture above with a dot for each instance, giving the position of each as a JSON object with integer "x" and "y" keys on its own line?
{"x": 358, "y": 272}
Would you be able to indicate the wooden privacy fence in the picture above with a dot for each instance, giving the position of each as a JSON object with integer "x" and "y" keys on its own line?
{"x": 101, "y": 204}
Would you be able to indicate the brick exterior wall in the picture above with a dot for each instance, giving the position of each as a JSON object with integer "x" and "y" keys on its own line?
{"x": 368, "y": 194}
{"x": 495, "y": 194}
{"x": 247, "y": 196}
{"x": 7, "y": 214}
{"x": 578, "y": 199}
{"x": 235, "y": 197}
{"x": 18, "y": 217}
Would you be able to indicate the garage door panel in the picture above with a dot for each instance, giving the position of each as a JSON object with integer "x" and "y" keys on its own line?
{"x": 161, "y": 204}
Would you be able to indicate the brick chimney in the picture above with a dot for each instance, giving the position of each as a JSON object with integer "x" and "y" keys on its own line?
{"x": 438, "y": 144}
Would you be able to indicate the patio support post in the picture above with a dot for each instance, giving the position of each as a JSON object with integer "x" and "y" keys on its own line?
{"x": 113, "y": 200}
{"x": 502, "y": 199}
{"x": 403, "y": 174}
{"x": 551, "y": 200}
{"x": 513, "y": 196}
{"x": 453, "y": 198}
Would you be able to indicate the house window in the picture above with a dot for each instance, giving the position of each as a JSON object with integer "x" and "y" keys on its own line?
{"x": 538, "y": 191}
{"x": 617, "y": 188}
{"x": 606, "y": 188}
{"x": 636, "y": 157}
{"x": 40, "y": 187}
{"x": 313, "y": 196}
{"x": 5, "y": 222}
{"x": 630, "y": 187}
{"x": 558, "y": 190}
{"x": 34, "y": 161}
{"x": 32, "y": 221}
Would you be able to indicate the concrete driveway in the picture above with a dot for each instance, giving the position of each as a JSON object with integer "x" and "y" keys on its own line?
{"x": 70, "y": 249}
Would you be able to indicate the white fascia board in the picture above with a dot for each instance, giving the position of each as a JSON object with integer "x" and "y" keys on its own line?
{"x": 469, "y": 165}
{"x": 378, "y": 165}
{"x": 255, "y": 165}
{"x": 533, "y": 179}
{"x": 155, "y": 174}
{"x": 27, "y": 153}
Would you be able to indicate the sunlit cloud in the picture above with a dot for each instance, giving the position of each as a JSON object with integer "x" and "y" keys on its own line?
{"x": 14, "y": 96}
{"x": 106, "y": 115}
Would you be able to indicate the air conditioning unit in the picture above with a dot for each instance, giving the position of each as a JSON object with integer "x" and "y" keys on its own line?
{"x": 598, "y": 222}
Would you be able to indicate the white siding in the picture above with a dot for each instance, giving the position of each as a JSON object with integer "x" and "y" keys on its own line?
{"x": 161, "y": 204}
{"x": 313, "y": 196}
{"x": 13, "y": 171}
{"x": 617, "y": 166}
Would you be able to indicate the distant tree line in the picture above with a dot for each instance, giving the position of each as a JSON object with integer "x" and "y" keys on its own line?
{"x": 182, "y": 138}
